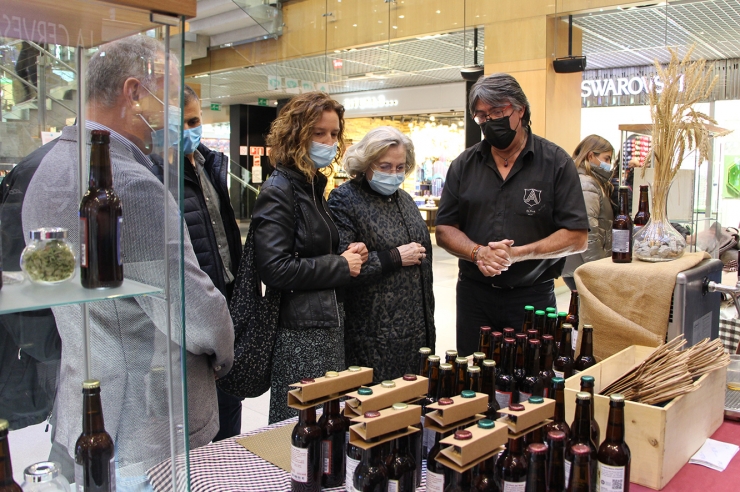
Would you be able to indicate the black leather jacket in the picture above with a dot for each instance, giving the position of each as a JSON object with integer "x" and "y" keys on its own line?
{"x": 296, "y": 249}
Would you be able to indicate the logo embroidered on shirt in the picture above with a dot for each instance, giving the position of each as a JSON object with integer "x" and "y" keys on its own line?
{"x": 532, "y": 197}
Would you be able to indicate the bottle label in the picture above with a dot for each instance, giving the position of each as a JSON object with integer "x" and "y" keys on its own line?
{"x": 503, "y": 398}
{"x": 610, "y": 478}
{"x": 524, "y": 396}
{"x": 119, "y": 234}
{"x": 574, "y": 339}
{"x": 515, "y": 486}
{"x": 435, "y": 482}
{"x": 299, "y": 464}
{"x": 326, "y": 457}
{"x": 83, "y": 242}
{"x": 392, "y": 486}
{"x": 112, "y": 469}
{"x": 349, "y": 480}
{"x": 558, "y": 374}
{"x": 567, "y": 465}
{"x": 621, "y": 241}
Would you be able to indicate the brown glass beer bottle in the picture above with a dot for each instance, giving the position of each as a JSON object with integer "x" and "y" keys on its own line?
{"x": 511, "y": 466}
{"x": 587, "y": 385}
{"x": 333, "y": 435}
{"x": 563, "y": 365}
{"x": 7, "y": 484}
{"x": 528, "y": 323}
{"x": 401, "y": 466}
{"x": 95, "y": 464}
{"x": 557, "y": 389}
{"x": 585, "y": 358}
{"x": 546, "y": 372}
{"x": 531, "y": 385}
{"x": 614, "y": 455}
{"x": 473, "y": 382}
{"x": 484, "y": 341}
{"x": 581, "y": 434}
{"x": 556, "y": 442}
{"x": 446, "y": 387}
{"x": 424, "y": 354}
{"x": 305, "y": 453}
{"x": 371, "y": 474}
{"x": 539, "y": 322}
{"x": 101, "y": 221}
{"x": 622, "y": 230}
{"x": 488, "y": 386}
{"x": 551, "y": 324}
{"x": 573, "y": 319}
{"x": 450, "y": 357}
{"x": 432, "y": 389}
{"x": 478, "y": 358}
{"x": 497, "y": 339}
{"x": 537, "y": 470}
{"x": 438, "y": 476}
{"x": 506, "y": 387}
{"x": 643, "y": 211}
{"x": 520, "y": 371}
{"x": 581, "y": 479}
{"x": 461, "y": 378}
{"x": 483, "y": 479}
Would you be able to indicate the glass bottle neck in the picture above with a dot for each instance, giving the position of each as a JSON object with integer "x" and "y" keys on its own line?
{"x": 548, "y": 357}
{"x": 644, "y": 203}
{"x": 515, "y": 446}
{"x": 583, "y": 421}
{"x": 565, "y": 344}
{"x": 101, "y": 176}
{"x": 331, "y": 408}
{"x": 573, "y": 308}
{"x": 587, "y": 345}
{"x": 92, "y": 412}
{"x": 533, "y": 361}
{"x": 6, "y": 467}
{"x": 623, "y": 205}
{"x": 507, "y": 364}
{"x": 615, "y": 425}
{"x": 307, "y": 416}
{"x": 559, "y": 405}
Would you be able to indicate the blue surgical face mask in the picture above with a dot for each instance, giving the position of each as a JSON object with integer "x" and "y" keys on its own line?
{"x": 191, "y": 139}
{"x": 606, "y": 166}
{"x": 386, "y": 183}
{"x": 322, "y": 154}
{"x": 173, "y": 126}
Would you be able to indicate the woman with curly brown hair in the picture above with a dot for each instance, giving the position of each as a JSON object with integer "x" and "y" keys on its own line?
{"x": 296, "y": 244}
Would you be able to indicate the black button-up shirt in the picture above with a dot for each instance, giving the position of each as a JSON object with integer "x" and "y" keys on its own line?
{"x": 541, "y": 195}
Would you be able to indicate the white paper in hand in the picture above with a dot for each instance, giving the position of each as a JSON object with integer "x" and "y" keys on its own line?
{"x": 715, "y": 455}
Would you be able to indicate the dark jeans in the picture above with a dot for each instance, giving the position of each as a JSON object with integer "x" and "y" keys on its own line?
{"x": 229, "y": 415}
{"x": 480, "y": 304}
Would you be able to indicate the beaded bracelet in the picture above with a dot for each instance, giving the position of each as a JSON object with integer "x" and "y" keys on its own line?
{"x": 474, "y": 253}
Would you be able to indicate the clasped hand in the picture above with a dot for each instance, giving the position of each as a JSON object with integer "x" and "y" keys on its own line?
{"x": 356, "y": 255}
{"x": 495, "y": 258}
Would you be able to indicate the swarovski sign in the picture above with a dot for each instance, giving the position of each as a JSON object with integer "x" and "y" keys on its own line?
{"x": 370, "y": 102}
{"x": 623, "y": 86}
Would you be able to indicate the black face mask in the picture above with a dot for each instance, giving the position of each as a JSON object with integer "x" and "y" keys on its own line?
{"x": 498, "y": 132}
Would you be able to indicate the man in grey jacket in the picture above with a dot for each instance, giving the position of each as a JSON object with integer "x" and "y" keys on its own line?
{"x": 131, "y": 341}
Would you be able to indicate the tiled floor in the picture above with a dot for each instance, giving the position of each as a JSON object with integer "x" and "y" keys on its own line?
{"x": 28, "y": 444}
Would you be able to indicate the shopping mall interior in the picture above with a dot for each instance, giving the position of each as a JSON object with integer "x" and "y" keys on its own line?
{"x": 397, "y": 63}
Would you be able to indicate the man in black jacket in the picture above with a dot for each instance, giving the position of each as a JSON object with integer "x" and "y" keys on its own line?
{"x": 213, "y": 229}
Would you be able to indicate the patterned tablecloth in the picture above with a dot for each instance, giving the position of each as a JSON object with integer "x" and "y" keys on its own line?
{"x": 226, "y": 466}
{"x": 729, "y": 332}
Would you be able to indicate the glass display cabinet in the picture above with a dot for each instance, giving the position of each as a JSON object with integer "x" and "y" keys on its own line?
{"x": 67, "y": 69}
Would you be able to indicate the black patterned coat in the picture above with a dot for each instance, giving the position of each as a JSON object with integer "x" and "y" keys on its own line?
{"x": 389, "y": 309}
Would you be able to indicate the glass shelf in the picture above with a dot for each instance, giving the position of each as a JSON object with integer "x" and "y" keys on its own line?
{"x": 27, "y": 296}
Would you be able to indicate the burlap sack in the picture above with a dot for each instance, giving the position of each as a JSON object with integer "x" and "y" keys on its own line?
{"x": 628, "y": 303}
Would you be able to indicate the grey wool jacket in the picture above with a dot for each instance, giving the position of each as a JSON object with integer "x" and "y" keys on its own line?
{"x": 129, "y": 336}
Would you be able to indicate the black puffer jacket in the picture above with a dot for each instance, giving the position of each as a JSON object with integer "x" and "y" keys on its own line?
{"x": 198, "y": 220}
{"x": 296, "y": 245}
{"x": 389, "y": 308}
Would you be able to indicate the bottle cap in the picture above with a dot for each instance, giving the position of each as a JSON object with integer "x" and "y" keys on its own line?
{"x": 509, "y": 340}
{"x": 463, "y": 435}
{"x": 556, "y": 435}
{"x": 617, "y": 398}
{"x": 308, "y": 380}
{"x": 552, "y": 315}
{"x": 496, "y": 334}
{"x": 516, "y": 407}
{"x": 562, "y": 314}
{"x": 547, "y": 337}
{"x": 582, "y": 395}
{"x": 331, "y": 374}
{"x": 400, "y": 406}
{"x": 486, "y": 424}
{"x": 461, "y": 360}
{"x": 536, "y": 400}
{"x": 3, "y": 425}
{"x": 388, "y": 384}
{"x": 93, "y": 383}
{"x": 485, "y": 328}
{"x": 479, "y": 355}
{"x": 45, "y": 471}
{"x": 372, "y": 414}
{"x": 580, "y": 450}
{"x": 474, "y": 369}
{"x": 46, "y": 233}
{"x": 519, "y": 336}
{"x": 425, "y": 350}
{"x": 534, "y": 341}
{"x": 364, "y": 391}
{"x": 557, "y": 380}
{"x": 468, "y": 393}
{"x": 489, "y": 363}
{"x": 588, "y": 327}
{"x": 409, "y": 377}
{"x": 537, "y": 448}
{"x": 445, "y": 401}
{"x": 433, "y": 358}
{"x": 588, "y": 379}
{"x": 445, "y": 366}
{"x": 451, "y": 353}
{"x": 354, "y": 368}
{"x": 567, "y": 326}
{"x": 539, "y": 312}
{"x": 529, "y": 308}
{"x": 550, "y": 309}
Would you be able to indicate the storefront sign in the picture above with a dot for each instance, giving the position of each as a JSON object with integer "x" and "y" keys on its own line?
{"x": 215, "y": 107}
{"x": 623, "y": 86}
{"x": 370, "y": 102}
{"x": 256, "y": 151}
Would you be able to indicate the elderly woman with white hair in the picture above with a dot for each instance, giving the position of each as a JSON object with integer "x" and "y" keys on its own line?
{"x": 390, "y": 306}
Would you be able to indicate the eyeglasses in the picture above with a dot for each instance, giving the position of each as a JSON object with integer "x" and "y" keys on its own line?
{"x": 481, "y": 116}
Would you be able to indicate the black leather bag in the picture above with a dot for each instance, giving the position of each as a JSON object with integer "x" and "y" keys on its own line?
{"x": 255, "y": 320}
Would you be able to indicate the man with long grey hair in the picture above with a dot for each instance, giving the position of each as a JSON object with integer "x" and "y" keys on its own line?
{"x": 130, "y": 338}
{"x": 511, "y": 210}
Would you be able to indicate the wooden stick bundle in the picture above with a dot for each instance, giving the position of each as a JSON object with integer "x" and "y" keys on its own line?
{"x": 669, "y": 372}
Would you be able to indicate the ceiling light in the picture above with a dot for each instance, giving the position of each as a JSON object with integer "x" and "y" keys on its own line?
{"x": 439, "y": 11}
{"x": 431, "y": 118}
{"x": 401, "y": 16}
{"x": 354, "y": 25}
{"x": 396, "y": 27}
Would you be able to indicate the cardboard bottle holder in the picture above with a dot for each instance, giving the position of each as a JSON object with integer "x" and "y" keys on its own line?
{"x": 404, "y": 391}
{"x": 527, "y": 419}
{"x": 461, "y": 408}
{"x": 447, "y": 462}
{"x": 325, "y": 389}
{"x": 389, "y": 421}
{"x": 483, "y": 443}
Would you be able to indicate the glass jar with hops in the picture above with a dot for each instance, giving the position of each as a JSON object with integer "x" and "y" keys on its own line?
{"x": 48, "y": 259}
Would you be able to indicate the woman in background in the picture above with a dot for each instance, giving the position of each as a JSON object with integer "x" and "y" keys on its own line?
{"x": 390, "y": 305}
{"x": 593, "y": 159}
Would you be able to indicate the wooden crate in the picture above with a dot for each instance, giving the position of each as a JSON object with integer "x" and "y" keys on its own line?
{"x": 661, "y": 439}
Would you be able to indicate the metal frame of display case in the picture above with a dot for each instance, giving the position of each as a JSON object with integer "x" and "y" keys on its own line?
{"x": 95, "y": 23}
